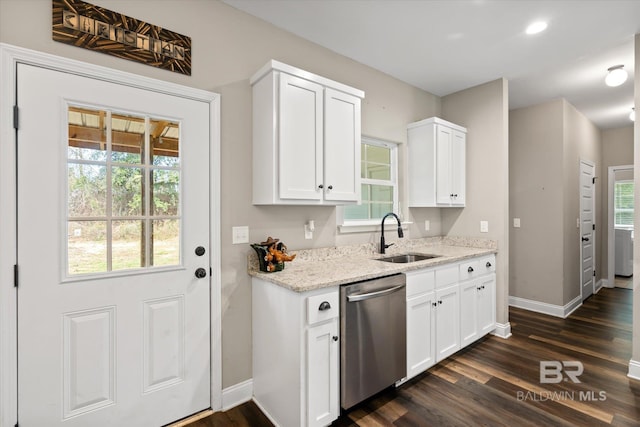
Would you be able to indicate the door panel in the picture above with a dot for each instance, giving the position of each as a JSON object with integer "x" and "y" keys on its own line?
{"x": 112, "y": 330}
{"x": 587, "y": 231}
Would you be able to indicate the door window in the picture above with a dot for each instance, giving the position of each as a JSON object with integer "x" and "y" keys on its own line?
{"x": 123, "y": 191}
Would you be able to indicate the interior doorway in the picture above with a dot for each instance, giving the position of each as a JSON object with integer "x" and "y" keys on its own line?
{"x": 620, "y": 230}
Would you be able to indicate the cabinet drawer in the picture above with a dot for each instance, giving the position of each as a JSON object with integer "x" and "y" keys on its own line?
{"x": 318, "y": 311}
{"x": 446, "y": 276}
{"x": 477, "y": 267}
{"x": 419, "y": 282}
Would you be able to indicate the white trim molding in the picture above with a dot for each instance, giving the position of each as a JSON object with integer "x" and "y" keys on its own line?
{"x": 502, "y": 330}
{"x": 10, "y": 56}
{"x": 545, "y": 308}
{"x": 237, "y": 394}
{"x": 634, "y": 369}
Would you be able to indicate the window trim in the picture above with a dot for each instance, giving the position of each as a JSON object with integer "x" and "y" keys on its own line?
{"x": 369, "y": 225}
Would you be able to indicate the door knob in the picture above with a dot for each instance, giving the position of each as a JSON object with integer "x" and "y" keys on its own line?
{"x": 585, "y": 239}
{"x": 200, "y": 250}
{"x": 201, "y": 273}
{"x": 470, "y": 270}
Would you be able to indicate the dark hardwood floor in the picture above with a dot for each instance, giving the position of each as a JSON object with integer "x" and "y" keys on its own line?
{"x": 496, "y": 382}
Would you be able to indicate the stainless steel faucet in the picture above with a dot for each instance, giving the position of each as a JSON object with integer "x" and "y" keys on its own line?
{"x": 400, "y": 233}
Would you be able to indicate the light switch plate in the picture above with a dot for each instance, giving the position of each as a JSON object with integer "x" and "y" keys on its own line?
{"x": 240, "y": 234}
{"x": 484, "y": 226}
{"x": 516, "y": 222}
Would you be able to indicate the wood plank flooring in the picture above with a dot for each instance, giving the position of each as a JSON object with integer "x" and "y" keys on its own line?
{"x": 496, "y": 382}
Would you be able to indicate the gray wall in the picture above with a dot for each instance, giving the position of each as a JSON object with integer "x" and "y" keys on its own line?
{"x": 484, "y": 111}
{"x": 635, "y": 353}
{"x": 228, "y": 47}
{"x": 536, "y": 191}
{"x": 547, "y": 142}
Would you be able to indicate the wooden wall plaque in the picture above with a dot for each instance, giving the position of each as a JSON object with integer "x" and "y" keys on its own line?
{"x": 96, "y": 28}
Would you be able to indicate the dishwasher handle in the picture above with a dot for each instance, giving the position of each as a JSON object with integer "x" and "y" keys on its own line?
{"x": 369, "y": 295}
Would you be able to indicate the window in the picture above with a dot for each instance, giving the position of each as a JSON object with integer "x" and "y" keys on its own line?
{"x": 379, "y": 181}
{"x": 123, "y": 192}
{"x": 623, "y": 203}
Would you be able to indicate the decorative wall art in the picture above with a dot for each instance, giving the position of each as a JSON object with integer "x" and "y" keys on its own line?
{"x": 96, "y": 28}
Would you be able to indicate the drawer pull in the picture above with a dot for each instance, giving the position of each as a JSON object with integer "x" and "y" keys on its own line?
{"x": 335, "y": 338}
{"x": 488, "y": 264}
{"x": 470, "y": 270}
{"x": 324, "y": 306}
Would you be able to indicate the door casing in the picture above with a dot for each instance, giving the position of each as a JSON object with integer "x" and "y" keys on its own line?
{"x": 10, "y": 56}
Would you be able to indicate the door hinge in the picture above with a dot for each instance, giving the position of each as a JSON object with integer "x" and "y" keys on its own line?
{"x": 593, "y": 226}
{"x": 16, "y": 120}
{"x": 210, "y": 271}
{"x": 594, "y": 273}
{"x": 15, "y": 275}
{"x": 593, "y": 180}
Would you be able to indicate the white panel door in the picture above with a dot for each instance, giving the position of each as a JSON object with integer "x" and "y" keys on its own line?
{"x": 301, "y": 137}
{"x": 469, "y": 312}
{"x": 587, "y": 228}
{"x": 341, "y": 147}
{"x": 113, "y": 199}
{"x": 487, "y": 305}
{"x": 458, "y": 167}
{"x": 322, "y": 368}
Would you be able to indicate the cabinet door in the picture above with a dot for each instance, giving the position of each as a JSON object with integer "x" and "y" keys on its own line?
{"x": 469, "y": 312}
{"x": 447, "y": 322}
{"x": 458, "y": 165}
{"x": 421, "y": 351}
{"x": 300, "y": 136}
{"x": 322, "y": 374}
{"x": 341, "y": 147}
{"x": 444, "y": 137}
{"x": 487, "y": 305}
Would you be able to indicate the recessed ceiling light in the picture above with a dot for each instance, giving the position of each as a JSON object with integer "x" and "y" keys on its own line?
{"x": 536, "y": 27}
{"x": 616, "y": 76}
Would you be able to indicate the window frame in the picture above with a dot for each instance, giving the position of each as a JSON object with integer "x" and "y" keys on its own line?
{"x": 366, "y": 225}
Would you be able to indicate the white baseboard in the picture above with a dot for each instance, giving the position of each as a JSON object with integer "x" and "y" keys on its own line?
{"x": 237, "y": 394}
{"x": 265, "y": 412}
{"x": 502, "y": 330}
{"x": 602, "y": 283}
{"x": 634, "y": 369}
{"x": 545, "y": 308}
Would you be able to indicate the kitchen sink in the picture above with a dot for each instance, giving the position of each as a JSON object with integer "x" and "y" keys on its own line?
{"x": 407, "y": 258}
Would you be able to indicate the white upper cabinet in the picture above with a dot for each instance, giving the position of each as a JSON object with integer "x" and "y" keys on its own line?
{"x": 437, "y": 162}
{"x": 306, "y": 138}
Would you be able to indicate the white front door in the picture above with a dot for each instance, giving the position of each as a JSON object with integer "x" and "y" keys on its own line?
{"x": 113, "y": 200}
{"x": 587, "y": 228}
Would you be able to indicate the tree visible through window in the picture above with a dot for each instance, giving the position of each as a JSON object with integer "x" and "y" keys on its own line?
{"x": 623, "y": 203}
{"x": 378, "y": 180}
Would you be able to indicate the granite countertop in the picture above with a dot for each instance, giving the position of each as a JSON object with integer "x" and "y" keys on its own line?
{"x": 325, "y": 267}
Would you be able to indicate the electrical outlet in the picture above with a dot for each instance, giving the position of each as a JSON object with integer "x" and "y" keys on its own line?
{"x": 516, "y": 222}
{"x": 484, "y": 226}
{"x": 427, "y": 225}
{"x": 240, "y": 235}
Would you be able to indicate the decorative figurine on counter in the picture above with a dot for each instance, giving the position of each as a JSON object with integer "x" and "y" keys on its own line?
{"x": 272, "y": 254}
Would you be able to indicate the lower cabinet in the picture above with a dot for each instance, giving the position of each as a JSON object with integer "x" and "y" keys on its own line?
{"x": 448, "y": 308}
{"x": 296, "y": 353}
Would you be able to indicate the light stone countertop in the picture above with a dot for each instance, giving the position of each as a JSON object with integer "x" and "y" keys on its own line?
{"x": 325, "y": 267}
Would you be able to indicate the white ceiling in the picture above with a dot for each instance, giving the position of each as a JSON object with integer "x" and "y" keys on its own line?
{"x": 443, "y": 46}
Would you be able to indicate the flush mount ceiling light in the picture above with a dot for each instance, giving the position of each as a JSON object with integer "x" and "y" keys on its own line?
{"x": 536, "y": 27}
{"x": 616, "y": 76}
{"x": 632, "y": 116}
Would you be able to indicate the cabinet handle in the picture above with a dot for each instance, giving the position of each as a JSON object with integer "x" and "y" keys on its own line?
{"x": 470, "y": 270}
{"x": 440, "y": 302}
{"x": 324, "y": 306}
{"x": 321, "y": 186}
{"x": 488, "y": 264}
{"x": 451, "y": 195}
{"x": 479, "y": 288}
{"x": 330, "y": 187}
{"x": 335, "y": 338}
{"x": 434, "y": 304}
{"x": 482, "y": 286}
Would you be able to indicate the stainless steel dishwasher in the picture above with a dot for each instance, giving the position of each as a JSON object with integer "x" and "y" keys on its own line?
{"x": 373, "y": 328}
